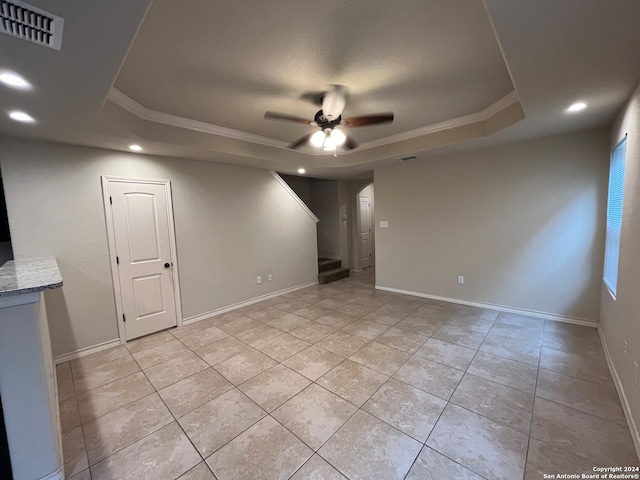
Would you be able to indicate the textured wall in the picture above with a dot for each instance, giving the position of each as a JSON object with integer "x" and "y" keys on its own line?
{"x": 231, "y": 224}
{"x": 620, "y": 318}
{"x": 524, "y": 223}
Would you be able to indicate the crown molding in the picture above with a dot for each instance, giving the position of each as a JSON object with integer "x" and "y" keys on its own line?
{"x": 481, "y": 116}
{"x": 130, "y": 105}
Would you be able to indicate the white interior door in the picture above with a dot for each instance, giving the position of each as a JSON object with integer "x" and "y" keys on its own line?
{"x": 365, "y": 231}
{"x": 140, "y": 213}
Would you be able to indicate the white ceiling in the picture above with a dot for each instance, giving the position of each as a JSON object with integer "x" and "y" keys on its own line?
{"x": 193, "y": 79}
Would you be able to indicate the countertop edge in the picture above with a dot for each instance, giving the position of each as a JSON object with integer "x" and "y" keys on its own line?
{"x": 24, "y": 276}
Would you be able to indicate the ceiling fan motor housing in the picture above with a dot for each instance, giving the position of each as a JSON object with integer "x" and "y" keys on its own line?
{"x": 334, "y": 102}
{"x": 324, "y": 123}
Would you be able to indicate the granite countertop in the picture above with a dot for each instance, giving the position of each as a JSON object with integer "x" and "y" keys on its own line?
{"x": 28, "y": 276}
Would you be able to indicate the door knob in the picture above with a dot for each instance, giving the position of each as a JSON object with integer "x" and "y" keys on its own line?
{"x": 167, "y": 265}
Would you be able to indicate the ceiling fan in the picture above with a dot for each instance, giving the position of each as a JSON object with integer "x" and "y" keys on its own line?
{"x": 329, "y": 138}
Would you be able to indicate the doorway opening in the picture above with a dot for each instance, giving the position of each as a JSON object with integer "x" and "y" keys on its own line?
{"x": 364, "y": 244}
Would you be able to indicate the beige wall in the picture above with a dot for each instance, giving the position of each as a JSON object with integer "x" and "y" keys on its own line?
{"x": 324, "y": 203}
{"x": 620, "y": 318}
{"x": 329, "y": 201}
{"x": 524, "y": 223}
{"x": 343, "y": 218}
{"x": 301, "y": 186}
{"x": 231, "y": 225}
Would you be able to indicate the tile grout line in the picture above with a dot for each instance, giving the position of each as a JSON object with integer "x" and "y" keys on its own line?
{"x": 440, "y": 416}
{"x": 358, "y": 408}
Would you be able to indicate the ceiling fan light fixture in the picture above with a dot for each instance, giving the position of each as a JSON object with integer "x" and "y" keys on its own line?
{"x": 317, "y": 139}
{"x": 338, "y": 137}
{"x": 329, "y": 143}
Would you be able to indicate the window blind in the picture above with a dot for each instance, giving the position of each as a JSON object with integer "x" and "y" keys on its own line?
{"x": 614, "y": 215}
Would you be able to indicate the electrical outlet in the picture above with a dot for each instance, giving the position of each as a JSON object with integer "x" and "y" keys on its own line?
{"x": 635, "y": 365}
{"x": 624, "y": 350}
{"x": 460, "y": 279}
{"x": 258, "y": 279}
{"x": 270, "y": 277}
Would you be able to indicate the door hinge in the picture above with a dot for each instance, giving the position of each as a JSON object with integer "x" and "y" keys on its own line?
{"x": 117, "y": 260}
{"x": 124, "y": 319}
{"x": 111, "y": 200}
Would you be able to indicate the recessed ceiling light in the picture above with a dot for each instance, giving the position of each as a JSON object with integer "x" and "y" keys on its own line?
{"x": 13, "y": 80}
{"x": 302, "y": 171}
{"x": 135, "y": 148}
{"x": 576, "y": 107}
{"x": 21, "y": 117}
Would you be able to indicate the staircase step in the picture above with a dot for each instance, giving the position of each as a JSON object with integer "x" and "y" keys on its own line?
{"x": 326, "y": 264}
{"x": 333, "y": 275}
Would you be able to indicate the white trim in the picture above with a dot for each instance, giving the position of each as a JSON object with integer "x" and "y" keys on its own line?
{"x": 111, "y": 242}
{"x": 633, "y": 428}
{"x": 177, "y": 296}
{"x": 57, "y": 475}
{"x": 115, "y": 273}
{"x": 606, "y": 284}
{"x": 481, "y": 116}
{"x": 295, "y": 196}
{"x": 235, "y": 306}
{"x": 140, "y": 111}
{"x": 501, "y": 308}
{"x": 83, "y": 352}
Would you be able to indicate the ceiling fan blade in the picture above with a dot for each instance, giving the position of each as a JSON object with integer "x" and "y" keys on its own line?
{"x": 367, "y": 120}
{"x": 313, "y": 97}
{"x": 349, "y": 143}
{"x": 290, "y": 118}
{"x": 301, "y": 141}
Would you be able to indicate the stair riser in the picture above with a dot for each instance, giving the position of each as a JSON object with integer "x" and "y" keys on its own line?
{"x": 343, "y": 273}
{"x": 329, "y": 265}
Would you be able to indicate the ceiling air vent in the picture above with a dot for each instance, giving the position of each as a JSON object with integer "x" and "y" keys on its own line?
{"x": 30, "y": 23}
{"x": 406, "y": 158}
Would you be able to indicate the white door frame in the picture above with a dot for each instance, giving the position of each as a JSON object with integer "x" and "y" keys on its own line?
{"x": 367, "y": 199}
{"x": 111, "y": 238}
{"x": 356, "y": 246}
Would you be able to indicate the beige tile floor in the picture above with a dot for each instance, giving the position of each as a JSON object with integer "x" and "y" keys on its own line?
{"x": 342, "y": 381}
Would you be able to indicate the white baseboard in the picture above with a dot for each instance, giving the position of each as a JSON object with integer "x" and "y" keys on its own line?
{"x": 501, "y": 308}
{"x": 87, "y": 351}
{"x": 633, "y": 428}
{"x": 235, "y": 306}
{"x": 57, "y": 475}
{"x": 114, "y": 343}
